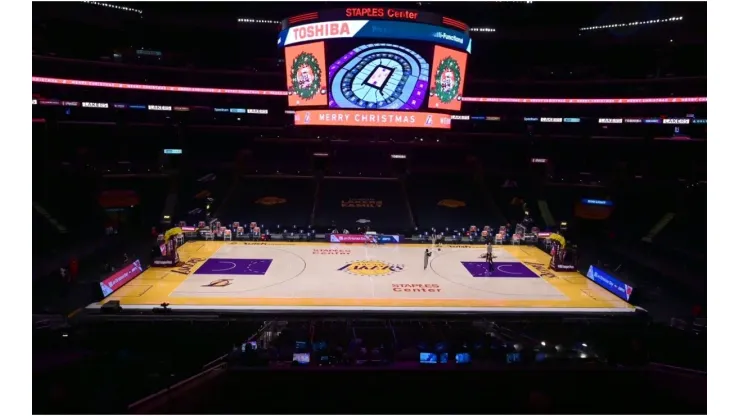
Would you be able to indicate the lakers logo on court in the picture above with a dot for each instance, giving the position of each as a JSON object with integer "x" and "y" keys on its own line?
{"x": 219, "y": 283}
{"x": 371, "y": 268}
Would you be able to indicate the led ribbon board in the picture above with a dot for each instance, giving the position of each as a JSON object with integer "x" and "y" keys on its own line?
{"x": 235, "y": 91}
{"x": 375, "y": 29}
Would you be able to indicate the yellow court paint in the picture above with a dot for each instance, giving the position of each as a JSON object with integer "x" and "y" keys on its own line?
{"x": 312, "y": 276}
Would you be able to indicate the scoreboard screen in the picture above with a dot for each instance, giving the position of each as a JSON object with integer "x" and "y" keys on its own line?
{"x": 363, "y": 72}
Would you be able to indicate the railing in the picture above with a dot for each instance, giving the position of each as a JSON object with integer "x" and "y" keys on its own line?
{"x": 406, "y": 201}
{"x": 152, "y": 403}
{"x": 682, "y": 370}
{"x": 49, "y": 321}
{"x": 316, "y": 192}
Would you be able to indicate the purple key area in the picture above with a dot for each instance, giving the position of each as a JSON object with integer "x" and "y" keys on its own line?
{"x": 504, "y": 269}
{"x": 255, "y": 267}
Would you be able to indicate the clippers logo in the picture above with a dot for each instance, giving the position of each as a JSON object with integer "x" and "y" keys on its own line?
{"x": 219, "y": 283}
{"x": 371, "y": 268}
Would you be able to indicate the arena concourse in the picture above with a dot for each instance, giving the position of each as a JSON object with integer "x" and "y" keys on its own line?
{"x": 403, "y": 194}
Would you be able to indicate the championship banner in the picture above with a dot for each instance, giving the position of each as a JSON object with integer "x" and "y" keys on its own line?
{"x": 375, "y": 29}
{"x": 369, "y": 118}
{"x": 120, "y": 278}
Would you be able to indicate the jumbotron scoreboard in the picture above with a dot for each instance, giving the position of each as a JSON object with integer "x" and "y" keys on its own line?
{"x": 374, "y": 67}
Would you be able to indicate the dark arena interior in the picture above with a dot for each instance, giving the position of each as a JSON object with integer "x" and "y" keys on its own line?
{"x": 323, "y": 206}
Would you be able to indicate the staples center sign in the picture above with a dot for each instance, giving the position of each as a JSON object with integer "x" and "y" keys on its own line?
{"x": 324, "y": 30}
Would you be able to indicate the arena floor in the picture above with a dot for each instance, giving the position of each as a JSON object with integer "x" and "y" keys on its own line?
{"x": 282, "y": 276}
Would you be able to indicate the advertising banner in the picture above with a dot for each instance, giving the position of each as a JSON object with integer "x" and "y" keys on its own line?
{"x": 165, "y": 262}
{"x": 376, "y": 29}
{"x": 347, "y": 238}
{"x": 362, "y": 238}
{"x": 610, "y": 283}
{"x": 305, "y": 74}
{"x": 120, "y": 278}
{"x": 448, "y": 79}
{"x": 392, "y": 239}
{"x": 369, "y": 118}
{"x": 562, "y": 267}
{"x": 234, "y": 91}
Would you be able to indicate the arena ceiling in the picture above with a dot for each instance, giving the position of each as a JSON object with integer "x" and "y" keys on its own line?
{"x": 481, "y": 14}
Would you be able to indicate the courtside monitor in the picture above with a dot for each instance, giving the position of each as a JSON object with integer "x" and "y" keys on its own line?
{"x": 428, "y": 358}
{"x": 462, "y": 358}
{"x": 302, "y": 358}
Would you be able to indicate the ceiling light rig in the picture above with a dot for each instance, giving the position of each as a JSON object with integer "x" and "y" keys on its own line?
{"x": 114, "y": 6}
{"x": 639, "y": 23}
{"x": 257, "y": 21}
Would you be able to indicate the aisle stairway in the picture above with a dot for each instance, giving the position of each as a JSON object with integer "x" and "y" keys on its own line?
{"x": 49, "y": 218}
{"x": 658, "y": 227}
{"x": 547, "y": 216}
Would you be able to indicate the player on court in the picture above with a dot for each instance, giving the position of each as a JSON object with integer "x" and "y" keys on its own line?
{"x": 489, "y": 255}
{"x": 437, "y": 241}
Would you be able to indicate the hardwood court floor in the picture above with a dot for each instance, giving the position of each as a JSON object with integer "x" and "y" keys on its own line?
{"x": 283, "y": 276}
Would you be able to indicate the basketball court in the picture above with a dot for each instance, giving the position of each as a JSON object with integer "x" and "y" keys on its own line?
{"x": 301, "y": 277}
